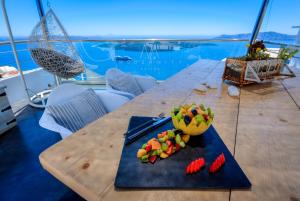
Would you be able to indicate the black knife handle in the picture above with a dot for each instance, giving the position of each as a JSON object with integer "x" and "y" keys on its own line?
{"x": 141, "y": 133}
{"x": 139, "y": 126}
{"x": 5, "y": 109}
{"x": 11, "y": 121}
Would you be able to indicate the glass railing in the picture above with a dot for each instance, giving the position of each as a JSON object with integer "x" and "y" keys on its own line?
{"x": 158, "y": 58}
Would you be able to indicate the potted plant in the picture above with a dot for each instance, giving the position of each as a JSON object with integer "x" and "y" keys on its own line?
{"x": 287, "y": 53}
{"x": 257, "y": 65}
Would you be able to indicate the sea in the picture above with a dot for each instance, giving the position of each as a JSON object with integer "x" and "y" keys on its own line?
{"x": 160, "y": 59}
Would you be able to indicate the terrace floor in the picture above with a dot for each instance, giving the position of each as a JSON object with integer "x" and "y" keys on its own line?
{"x": 21, "y": 175}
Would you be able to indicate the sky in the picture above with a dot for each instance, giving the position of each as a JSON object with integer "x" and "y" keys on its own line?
{"x": 155, "y": 17}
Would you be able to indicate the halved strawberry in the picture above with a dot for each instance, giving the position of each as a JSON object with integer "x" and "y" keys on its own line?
{"x": 148, "y": 147}
{"x": 195, "y": 166}
{"x": 188, "y": 169}
{"x": 217, "y": 164}
{"x": 152, "y": 159}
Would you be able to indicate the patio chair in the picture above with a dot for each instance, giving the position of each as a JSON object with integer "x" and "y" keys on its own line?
{"x": 127, "y": 84}
{"x": 64, "y": 93}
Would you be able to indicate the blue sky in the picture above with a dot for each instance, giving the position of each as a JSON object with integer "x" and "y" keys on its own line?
{"x": 155, "y": 17}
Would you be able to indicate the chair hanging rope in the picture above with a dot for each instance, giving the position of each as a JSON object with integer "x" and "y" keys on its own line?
{"x": 52, "y": 49}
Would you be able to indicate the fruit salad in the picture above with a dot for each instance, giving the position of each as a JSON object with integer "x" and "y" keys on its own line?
{"x": 192, "y": 119}
{"x": 166, "y": 144}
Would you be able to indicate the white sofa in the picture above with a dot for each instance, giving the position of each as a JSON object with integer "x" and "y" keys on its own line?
{"x": 64, "y": 92}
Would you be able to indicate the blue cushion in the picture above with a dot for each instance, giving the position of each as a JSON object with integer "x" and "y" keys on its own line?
{"x": 79, "y": 111}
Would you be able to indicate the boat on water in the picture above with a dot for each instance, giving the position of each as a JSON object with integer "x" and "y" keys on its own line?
{"x": 123, "y": 58}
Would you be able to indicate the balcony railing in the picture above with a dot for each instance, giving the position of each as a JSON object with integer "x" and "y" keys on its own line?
{"x": 160, "y": 58}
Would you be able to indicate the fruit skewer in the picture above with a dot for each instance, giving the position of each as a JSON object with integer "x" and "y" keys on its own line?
{"x": 166, "y": 144}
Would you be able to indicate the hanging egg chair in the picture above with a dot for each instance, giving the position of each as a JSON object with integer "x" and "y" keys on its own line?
{"x": 52, "y": 49}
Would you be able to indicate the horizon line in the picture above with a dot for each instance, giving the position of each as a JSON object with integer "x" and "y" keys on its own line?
{"x": 153, "y": 35}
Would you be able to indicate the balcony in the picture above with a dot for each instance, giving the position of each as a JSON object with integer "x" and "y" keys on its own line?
{"x": 96, "y": 137}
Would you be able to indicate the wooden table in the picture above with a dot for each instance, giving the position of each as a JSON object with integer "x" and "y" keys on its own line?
{"x": 261, "y": 128}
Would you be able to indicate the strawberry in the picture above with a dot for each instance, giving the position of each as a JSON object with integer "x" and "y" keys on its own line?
{"x": 152, "y": 159}
{"x": 177, "y": 147}
{"x": 170, "y": 150}
{"x": 188, "y": 169}
{"x": 148, "y": 147}
{"x": 217, "y": 164}
{"x": 195, "y": 166}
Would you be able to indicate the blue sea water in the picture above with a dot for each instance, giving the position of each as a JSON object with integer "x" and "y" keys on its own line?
{"x": 147, "y": 59}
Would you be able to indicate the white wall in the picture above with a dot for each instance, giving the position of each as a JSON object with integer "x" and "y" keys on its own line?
{"x": 37, "y": 80}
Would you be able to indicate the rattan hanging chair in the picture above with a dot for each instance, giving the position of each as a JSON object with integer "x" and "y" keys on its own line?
{"x": 52, "y": 49}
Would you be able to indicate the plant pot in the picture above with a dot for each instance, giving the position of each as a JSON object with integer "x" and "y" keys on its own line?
{"x": 246, "y": 72}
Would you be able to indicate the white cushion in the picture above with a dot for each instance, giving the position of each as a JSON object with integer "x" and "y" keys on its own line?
{"x": 78, "y": 111}
{"x": 111, "y": 100}
{"x": 65, "y": 92}
{"x": 121, "y": 81}
{"x": 145, "y": 82}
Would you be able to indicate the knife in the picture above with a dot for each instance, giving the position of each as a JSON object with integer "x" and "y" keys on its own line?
{"x": 147, "y": 123}
{"x": 142, "y": 132}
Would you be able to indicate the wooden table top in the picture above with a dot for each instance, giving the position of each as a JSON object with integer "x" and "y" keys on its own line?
{"x": 261, "y": 128}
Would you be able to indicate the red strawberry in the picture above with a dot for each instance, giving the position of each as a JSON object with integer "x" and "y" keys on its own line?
{"x": 152, "y": 159}
{"x": 177, "y": 147}
{"x": 195, "y": 166}
{"x": 170, "y": 150}
{"x": 217, "y": 164}
{"x": 148, "y": 147}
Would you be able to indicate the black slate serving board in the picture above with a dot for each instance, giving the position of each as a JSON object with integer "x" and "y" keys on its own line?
{"x": 170, "y": 173}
